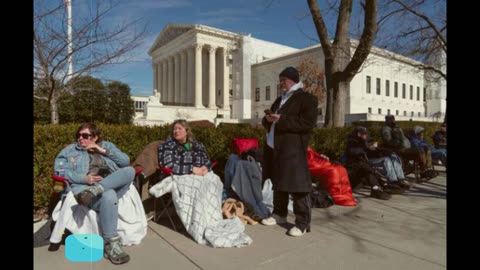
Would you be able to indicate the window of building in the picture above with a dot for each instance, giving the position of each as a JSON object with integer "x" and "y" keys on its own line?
{"x": 379, "y": 111}
{"x": 404, "y": 91}
{"x": 267, "y": 92}
{"x": 396, "y": 112}
{"x": 320, "y": 111}
{"x": 256, "y": 114}
{"x": 404, "y": 113}
{"x": 388, "y": 112}
{"x": 412, "y": 114}
{"x": 424, "y": 94}
{"x": 379, "y": 90}
{"x": 230, "y": 76}
{"x": 411, "y": 92}
{"x": 219, "y": 92}
{"x": 419, "y": 114}
{"x": 139, "y": 106}
{"x": 230, "y": 92}
{"x": 387, "y": 88}
{"x": 369, "y": 85}
{"x": 395, "y": 89}
{"x": 418, "y": 93}
{"x": 369, "y": 109}
{"x": 257, "y": 94}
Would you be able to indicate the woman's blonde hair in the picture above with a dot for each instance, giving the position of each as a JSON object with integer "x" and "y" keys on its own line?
{"x": 184, "y": 124}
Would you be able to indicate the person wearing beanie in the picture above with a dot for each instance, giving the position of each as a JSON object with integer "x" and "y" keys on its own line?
{"x": 289, "y": 123}
{"x": 394, "y": 139}
{"x": 290, "y": 73}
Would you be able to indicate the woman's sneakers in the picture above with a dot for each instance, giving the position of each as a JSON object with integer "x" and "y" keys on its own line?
{"x": 114, "y": 252}
{"x": 86, "y": 196}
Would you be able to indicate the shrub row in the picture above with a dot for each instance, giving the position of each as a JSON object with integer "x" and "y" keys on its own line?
{"x": 50, "y": 139}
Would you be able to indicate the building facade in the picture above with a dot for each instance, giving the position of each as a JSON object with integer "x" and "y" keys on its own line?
{"x": 206, "y": 73}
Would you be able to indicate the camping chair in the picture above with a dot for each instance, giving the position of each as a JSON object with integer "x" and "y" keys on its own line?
{"x": 63, "y": 205}
{"x": 150, "y": 175}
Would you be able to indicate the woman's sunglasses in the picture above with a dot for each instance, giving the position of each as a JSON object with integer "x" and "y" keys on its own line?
{"x": 84, "y": 135}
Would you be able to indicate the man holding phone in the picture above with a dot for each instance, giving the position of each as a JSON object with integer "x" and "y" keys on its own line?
{"x": 289, "y": 122}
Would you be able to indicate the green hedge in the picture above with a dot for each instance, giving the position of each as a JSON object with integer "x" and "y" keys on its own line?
{"x": 50, "y": 139}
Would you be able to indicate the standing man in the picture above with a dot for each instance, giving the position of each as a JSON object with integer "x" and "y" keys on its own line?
{"x": 289, "y": 122}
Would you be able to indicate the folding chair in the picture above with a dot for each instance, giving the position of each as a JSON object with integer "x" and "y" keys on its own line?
{"x": 158, "y": 212}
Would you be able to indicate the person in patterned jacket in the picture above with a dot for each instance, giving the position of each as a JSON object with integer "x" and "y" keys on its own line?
{"x": 182, "y": 153}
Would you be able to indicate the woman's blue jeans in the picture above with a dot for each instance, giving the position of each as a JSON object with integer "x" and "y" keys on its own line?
{"x": 115, "y": 186}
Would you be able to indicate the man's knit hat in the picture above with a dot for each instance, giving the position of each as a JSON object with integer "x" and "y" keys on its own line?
{"x": 291, "y": 73}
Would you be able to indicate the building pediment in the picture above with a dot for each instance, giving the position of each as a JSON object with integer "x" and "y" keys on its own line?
{"x": 169, "y": 33}
{"x": 173, "y": 31}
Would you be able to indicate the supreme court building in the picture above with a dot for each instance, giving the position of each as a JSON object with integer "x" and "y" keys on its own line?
{"x": 204, "y": 73}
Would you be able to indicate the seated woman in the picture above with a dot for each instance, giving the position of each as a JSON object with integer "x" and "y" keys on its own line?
{"x": 99, "y": 175}
{"x": 182, "y": 153}
{"x": 196, "y": 191}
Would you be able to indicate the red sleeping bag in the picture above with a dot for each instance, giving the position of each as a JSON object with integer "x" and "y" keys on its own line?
{"x": 332, "y": 177}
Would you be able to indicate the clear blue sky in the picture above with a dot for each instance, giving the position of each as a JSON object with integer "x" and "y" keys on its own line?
{"x": 282, "y": 22}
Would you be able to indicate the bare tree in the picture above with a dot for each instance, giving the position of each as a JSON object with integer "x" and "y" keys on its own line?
{"x": 340, "y": 67}
{"x": 420, "y": 32}
{"x": 313, "y": 77}
{"x": 95, "y": 44}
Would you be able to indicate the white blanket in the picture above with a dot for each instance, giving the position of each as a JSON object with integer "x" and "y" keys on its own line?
{"x": 197, "y": 200}
{"x": 132, "y": 222}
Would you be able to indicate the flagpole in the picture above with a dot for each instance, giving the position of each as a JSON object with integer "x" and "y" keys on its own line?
{"x": 70, "y": 49}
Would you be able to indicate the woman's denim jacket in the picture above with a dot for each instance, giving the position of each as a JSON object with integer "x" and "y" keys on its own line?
{"x": 76, "y": 163}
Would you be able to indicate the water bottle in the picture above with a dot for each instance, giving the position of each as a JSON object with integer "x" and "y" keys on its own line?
{"x": 59, "y": 186}
{"x": 60, "y": 170}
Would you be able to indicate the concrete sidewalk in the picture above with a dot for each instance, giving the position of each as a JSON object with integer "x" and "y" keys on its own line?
{"x": 405, "y": 232}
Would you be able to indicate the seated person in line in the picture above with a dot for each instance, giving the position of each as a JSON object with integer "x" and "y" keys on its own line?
{"x": 182, "y": 153}
{"x": 390, "y": 162}
{"x": 99, "y": 175}
{"x": 331, "y": 176}
{"x": 395, "y": 140}
{"x": 416, "y": 138}
{"x": 358, "y": 168}
{"x": 203, "y": 220}
{"x": 440, "y": 137}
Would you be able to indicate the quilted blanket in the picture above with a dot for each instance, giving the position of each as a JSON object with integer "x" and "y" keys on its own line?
{"x": 197, "y": 200}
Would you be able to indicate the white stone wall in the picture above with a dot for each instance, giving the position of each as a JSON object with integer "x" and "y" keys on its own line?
{"x": 379, "y": 67}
